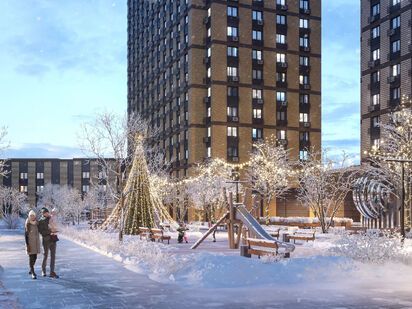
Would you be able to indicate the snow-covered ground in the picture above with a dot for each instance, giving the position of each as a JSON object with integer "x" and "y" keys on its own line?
{"x": 333, "y": 271}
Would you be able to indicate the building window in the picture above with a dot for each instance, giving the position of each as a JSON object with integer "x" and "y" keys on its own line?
{"x": 232, "y": 91}
{"x": 375, "y": 10}
{"x": 232, "y": 11}
{"x": 257, "y": 74}
{"x": 232, "y": 152}
{"x": 232, "y": 111}
{"x": 304, "y": 136}
{"x": 304, "y": 23}
{"x": 281, "y": 77}
{"x": 303, "y": 79}
{"x": 257, "y": 15}
{"x": 85, "y": 175}
{"x": 376, "y": 32}
{"x": 23, "y": 176}
{"x": 281, "y": 19}
{"x": 304, "y": 41}
{"x": 257, "y": 35}
{"x": 23, "y": 189}
{"x": 232, "y": 51}
{"x": 256, "y": 54}
{"x": 375, "y": 77}
{"x": 395, "y": 93}
{"x": 303, "y": 155}
{"x": 232, "y": 131}
{"x": 257, "y": 133}
{"x": 281, "y": 135}
{"x": 85, "y": 188}
{"x": 304, "y": 61}
{"x": 304, "y": 99}
{"x": 376, "y": 54}
{"x": 396, "y": 46}
{"x": 232, "y": 31}
{"x": 375, "y": 121}
{"x": 257, "y": 113}
{"x": 209, "y": 152}
{"x": 376, "y": 143}
{"x": 396, "y": 70}
{"x": 257, "y": 94}
{"x": 280, "y": 96}
{"x": 280, "y": 58}
{"x": 39, "y": 188}
{"x": 303, "y": 117}
{"x": 281, "y": 2}
{"x": 209, "y": 131}
{"x": 231, "y": 71}
{"x": 304, "y": 4}
{"x": 395, "y": 22}
{"x": 280, "y": 38}
{"x": 39, "y": 175}
{"x": 376, "y": 99}
{"x": 395, "y": 2}
{"x": 281, "y": 115}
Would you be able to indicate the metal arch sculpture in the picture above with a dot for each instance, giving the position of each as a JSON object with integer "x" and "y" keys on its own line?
{"x": 371, "y": 197}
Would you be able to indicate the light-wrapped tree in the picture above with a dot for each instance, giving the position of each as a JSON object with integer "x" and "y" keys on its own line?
{"x": 324, "y": 184}
{"x": 269, "y": 171}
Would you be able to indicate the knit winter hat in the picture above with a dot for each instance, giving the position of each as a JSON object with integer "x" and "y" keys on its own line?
{"x": 44, "y": 209}
{"x": 32, "y": 213}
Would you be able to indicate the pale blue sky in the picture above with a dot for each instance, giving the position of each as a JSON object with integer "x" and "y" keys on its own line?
{"x": 61, "y": 61}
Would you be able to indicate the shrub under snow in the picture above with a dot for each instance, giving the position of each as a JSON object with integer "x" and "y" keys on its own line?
{"x": 374, "y": 246}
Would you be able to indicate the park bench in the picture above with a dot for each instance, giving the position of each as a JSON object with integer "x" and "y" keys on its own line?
{"x": 353, "y": 230}
{"x": 144, "y": 232}
{"x": 159, "y": 235}
{"x": 261, "y": 247}
{"x": 275, "y": 233}
{"x": 303, "y": 235}
{"x": 94, "y": 224}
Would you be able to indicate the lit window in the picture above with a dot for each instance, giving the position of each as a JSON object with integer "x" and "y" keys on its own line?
{"x": 232, "y": 51}
{"x": 303, "y": 23}
{"x": 281, "y": 134}
{"x": 375, "y": 121}
{"x": 257, "y": 113}
{"x": 257, "y": 35}
{"x": 304, "y": 99}
{"x": 304, "y": 41}
{"x": 39, "y": 188}
{"x": 395, "y": 22}
{"x": 303, "y": 117}
{"x": 256, "y": 93}
{"x": 232, "y": 31}
{"x": 231, "y": 71}
{"x": 281, "y": 2}
{"x": 23, "y": 175}
{"x": 280, "y": 58}
{"x": 232, "y": 111}
{"x": 256, "y": 54}
{"x": 376, "y": 32}
{"x": 304, "y": 61}
{"x": 281, "y": 96}
{"x": 85, "y": 188}
{"x": 39, "y": 175}
{"x": 376, "y": 99}
{"x": 280, "y": 38}
{"x": 209, "y": 152}
{"x": 281, "y": 19}
{"x": 396, "y": 46}
{"x": 232, "y": 131}
{"x": 85, "y": 175}
{"x": 303, "y": 155}
{"x": 304, "y": 4}
{"x": 257, "y": 133}
{"x": 23, "y": 189}
{"x": 232, "y": 11}
{"x": 257, "y": 15}
{"x": 375, "y": 10}
{"x": 303, "y": 79}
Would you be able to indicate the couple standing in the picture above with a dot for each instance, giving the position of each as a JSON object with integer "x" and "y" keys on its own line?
{"x": 46, "y": 226}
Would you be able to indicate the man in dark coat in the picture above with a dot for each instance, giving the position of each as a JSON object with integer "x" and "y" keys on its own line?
{"x": 48, "y": 243}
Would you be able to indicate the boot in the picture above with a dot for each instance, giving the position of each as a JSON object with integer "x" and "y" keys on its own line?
{"x": 43, "y": 273}
{"x": 54, "y": 275}
{"x": 33, "y": 274}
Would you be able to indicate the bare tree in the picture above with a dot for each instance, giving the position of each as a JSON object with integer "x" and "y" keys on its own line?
{"x": 14, "y": 203}
{"x": 111, "y": 139}
{"x": 269, "y": 171}
{"x": 324, "y": 185}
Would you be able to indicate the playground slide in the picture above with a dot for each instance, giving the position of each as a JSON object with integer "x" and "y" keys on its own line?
{"x": 253, "y": 225}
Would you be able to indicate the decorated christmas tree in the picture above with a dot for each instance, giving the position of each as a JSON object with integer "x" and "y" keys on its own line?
{"x": 141, "y": 206}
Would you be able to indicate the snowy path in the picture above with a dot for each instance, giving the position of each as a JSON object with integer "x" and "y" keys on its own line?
{"x": 91, "y": 280}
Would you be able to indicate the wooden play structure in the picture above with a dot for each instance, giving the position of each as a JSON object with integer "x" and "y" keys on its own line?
{"x": 243, "y": 228}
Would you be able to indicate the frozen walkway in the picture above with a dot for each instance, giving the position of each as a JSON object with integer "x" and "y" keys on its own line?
{"x": 90, "y": 280}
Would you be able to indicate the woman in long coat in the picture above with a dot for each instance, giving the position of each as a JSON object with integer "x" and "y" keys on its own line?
{"x": 32, "y": 241}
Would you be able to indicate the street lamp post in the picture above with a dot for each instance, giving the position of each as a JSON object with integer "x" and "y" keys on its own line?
{"x": 402, "y": 210}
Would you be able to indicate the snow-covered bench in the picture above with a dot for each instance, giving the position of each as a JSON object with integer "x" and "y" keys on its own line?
{"x": 261, "y": 247}
{"x": 159, "y": 235}
{"x": 275, "y": 233}
{"x": 303, "y": 235}
{"x": 144, "y": 232}
{"x": 355, "y": 230}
